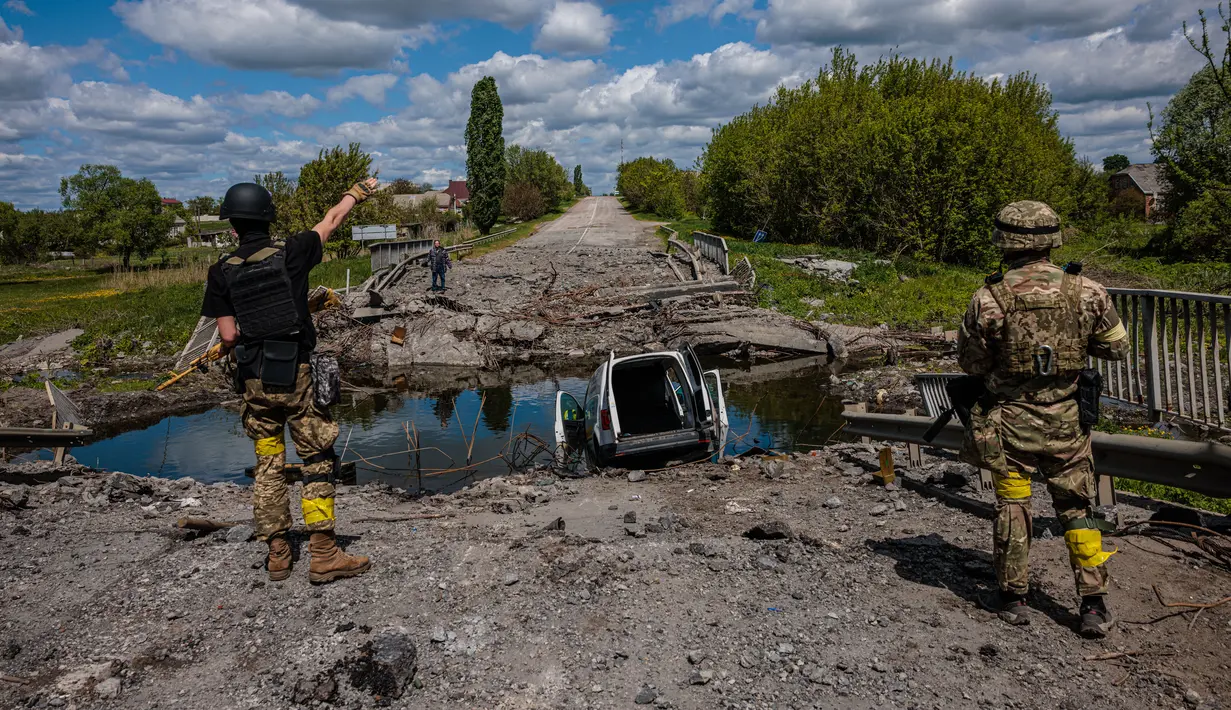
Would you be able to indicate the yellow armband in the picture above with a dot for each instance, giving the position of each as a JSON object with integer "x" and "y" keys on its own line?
{"x": 1111, "y": 335}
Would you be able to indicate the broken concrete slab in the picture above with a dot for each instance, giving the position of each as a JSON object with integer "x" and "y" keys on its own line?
{"x": 369, "y": 315}
{"x": 520, "y": 331}
{"x": 436, "y": 346}
{"x": 760, "y": 331}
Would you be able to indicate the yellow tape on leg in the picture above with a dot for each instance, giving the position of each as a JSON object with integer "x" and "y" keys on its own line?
{"x": 316, "y": 510}
{"x": 270, "y": 446}
{"x": 1012, "y": 485}
{"x": 1086, "y": 548}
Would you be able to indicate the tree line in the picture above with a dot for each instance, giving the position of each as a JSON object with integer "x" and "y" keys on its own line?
{"x": 906, "y": 156}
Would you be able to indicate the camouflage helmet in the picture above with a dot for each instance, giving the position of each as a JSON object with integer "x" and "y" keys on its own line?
{"x": 1026, "y": 226}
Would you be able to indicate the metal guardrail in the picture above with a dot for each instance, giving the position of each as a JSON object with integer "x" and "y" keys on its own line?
{"x": 489, "y": 238}
{"x": 1180, "y": 363}
{"x": 714, "y": 249}
{"x": 745, "y": 274}
{"x": 386, "y": 254}
{"x": 1202, "y": 467}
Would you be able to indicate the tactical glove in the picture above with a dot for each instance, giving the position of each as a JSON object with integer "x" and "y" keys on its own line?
{"x": 359, "y": 191}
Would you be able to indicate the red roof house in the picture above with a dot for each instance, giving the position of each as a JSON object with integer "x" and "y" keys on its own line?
{"x": 458, "y": 191}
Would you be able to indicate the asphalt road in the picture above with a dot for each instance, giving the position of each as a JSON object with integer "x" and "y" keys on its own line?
{"x": 593, "y": 222}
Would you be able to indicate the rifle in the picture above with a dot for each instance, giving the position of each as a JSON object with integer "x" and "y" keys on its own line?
{"x": 964, "y": 393}
{"x": 320, "y": 299}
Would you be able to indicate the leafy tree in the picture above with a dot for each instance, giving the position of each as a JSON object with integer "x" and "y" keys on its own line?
{"x": 201, "y": 205}
{"x": 523, "y": 202}
{"x": 540, "y": 169}
{"x": 485, "y": 167}
{"x": 321, "y": 184}
{"x": 653, "y": 185}
{"x": 286, "y": 208}
{"x": 1194, "y": 146}
{"x": 402, "y": 186}
{"x": 11, "y": 248}
{"x": 579, "y": 186}
{"x": 123, "y": 214}
{"x": 1115, "y": 163}
{"x": 900, "y": 156}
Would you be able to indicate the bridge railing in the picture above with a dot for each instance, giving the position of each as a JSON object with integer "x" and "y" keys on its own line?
{"x": 713, "y": 249}
{"x": 1179, "y": 364}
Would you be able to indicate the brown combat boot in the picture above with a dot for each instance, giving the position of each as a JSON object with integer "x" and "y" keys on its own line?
{"x": 279, "y": 562}
{"x": 329, "y": 562}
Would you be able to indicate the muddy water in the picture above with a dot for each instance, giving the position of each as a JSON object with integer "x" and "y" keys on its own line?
{"x": 773, "y": 409}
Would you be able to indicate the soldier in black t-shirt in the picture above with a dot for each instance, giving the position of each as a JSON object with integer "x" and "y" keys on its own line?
{"x": 259, "y": 296}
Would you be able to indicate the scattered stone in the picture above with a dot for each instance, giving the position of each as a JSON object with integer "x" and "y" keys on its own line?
{"x": 630, "y": 516}
{"x": 772, "y": 530}
{"x": 613, "y": 507}
{"x": 1192, "y": 698}
{"x": 786, "y": 649}
{"x": 703, "y": 549}
{"x": 511, "y": 579}
{"x": 508, "y": 505}
{"x": 439, "y": 636}
{"x": 899, "y": 505}
{"x": 834, "y": 502}
{"x": 240, "y": 533}
{"x": 989, "y": 650}
{"x": 10, "y": 651}
{"x": 646, "y": 696}
{"x": 108, "y": 689}
{"x": 596, "y": 689}
{"x": 701, "y": 677}
{"x": 83, "y": 678}
{"x": 344, "y": 627}
{"x": 696, "y": 657}
{"x": 772, "y": 469}
{"x": 636, "y": 476}
{"x": 879, "y": 510}
{"x": 766, "y": 562}
{"x": 654, "y": 528}
{"x": 386, "y": 664}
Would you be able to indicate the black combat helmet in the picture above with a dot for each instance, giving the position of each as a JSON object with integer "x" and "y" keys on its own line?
{"x": 247, "y": 200}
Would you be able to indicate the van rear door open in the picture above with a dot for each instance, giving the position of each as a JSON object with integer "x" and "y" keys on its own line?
{"x": 722, "y": 426}
{"x": 610, "y": 418}
{"x": 705, "y": 408}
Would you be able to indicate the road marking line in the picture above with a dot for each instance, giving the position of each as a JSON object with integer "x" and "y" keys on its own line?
{"x": 587, "y": 229}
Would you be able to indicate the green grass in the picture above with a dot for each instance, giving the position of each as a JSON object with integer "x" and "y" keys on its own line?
{"x": 124, "y": 321}
{"x": 132, "y": 384}
{"x": 911, "y": 294}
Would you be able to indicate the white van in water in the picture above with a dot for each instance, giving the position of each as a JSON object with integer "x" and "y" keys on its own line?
{"x": 657, "y": 405}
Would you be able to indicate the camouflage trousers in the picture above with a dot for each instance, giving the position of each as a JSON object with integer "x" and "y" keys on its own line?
{"x": 1049, "y": 438}
{"x": 267, "y": 411}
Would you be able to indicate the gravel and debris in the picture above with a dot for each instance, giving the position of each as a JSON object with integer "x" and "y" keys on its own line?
{"x": 107, "y": 604}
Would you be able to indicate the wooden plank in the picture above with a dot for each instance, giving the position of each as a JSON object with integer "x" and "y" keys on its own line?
{"x": 25, "y": 437}
{"x": 399, "y": 335}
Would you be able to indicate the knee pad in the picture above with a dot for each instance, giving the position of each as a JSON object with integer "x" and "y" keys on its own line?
{"x": 330, "y": 475}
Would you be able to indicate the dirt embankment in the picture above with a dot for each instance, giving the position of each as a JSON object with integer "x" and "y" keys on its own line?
{"x": 652, "y": 593}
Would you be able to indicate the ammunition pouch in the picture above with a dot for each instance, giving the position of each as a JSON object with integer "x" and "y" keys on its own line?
{"x": 981, "y": 445}
{"x": 274, "y": 362}
{"x": 1089, "y": 394}
{"x": 326, "y": 380}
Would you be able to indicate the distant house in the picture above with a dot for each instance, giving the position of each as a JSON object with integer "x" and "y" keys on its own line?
{"x": 1141, "y": 185}
{"x": 444, "y": 201}
{"x": 459, "y": 192}
{"x": 216, "y": 238}
{"x": 181, "y": 226}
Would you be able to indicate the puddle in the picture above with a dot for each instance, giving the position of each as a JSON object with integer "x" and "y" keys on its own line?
{"x": 790, "y": 407}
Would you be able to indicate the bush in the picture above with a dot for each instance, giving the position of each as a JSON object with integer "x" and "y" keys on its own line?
{"x": 540, "y": 170}
{"x": 901, "y": 156}
{"x": 654, "y": 186}
{"x": 1203, "y": 230}
{"x": 523, "y": 202}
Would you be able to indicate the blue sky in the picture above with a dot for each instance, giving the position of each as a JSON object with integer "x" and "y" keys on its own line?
{"x": 198, "y": 94}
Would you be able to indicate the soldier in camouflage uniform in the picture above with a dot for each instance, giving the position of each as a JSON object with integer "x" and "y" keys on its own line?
{"x": 1028, "y": 332}
{"x": 259, "y": 296}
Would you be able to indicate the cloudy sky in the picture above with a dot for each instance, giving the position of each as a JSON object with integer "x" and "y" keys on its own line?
{"x": 198, "y": 94}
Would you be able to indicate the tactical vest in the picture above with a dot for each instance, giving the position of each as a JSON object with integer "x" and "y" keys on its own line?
{"x": 262, "y": 295}
{"x": 1042, "y": 333}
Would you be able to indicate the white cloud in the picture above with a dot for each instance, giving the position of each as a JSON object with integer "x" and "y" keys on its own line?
{"x": 19, "y": 6}
{"x": 575, "y": 28}
{"x": 262, "y": 34}
{"x": 413, "y": 13}
{"x": 370, "y": 87}
{"x": 280, "y": 103}
{"x": 1104, "y": 66}
{"x": 679, "y": 10}
{"x": 142, "y": 113}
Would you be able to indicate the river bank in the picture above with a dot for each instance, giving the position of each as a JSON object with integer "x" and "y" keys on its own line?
{"x": 536, "y": 592}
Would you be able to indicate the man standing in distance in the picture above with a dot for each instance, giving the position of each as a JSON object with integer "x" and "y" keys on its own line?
{"x": 259, "y": 296}
{"x": 1027, "y": 333}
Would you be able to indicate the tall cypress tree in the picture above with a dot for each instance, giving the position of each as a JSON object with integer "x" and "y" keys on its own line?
{"x": 485, "y": 154}
{"x": 579, "y": 187}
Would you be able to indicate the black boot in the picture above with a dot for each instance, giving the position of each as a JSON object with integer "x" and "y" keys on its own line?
{"x": 1011, "y": 608}
{"x": 1096, "y": 620}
